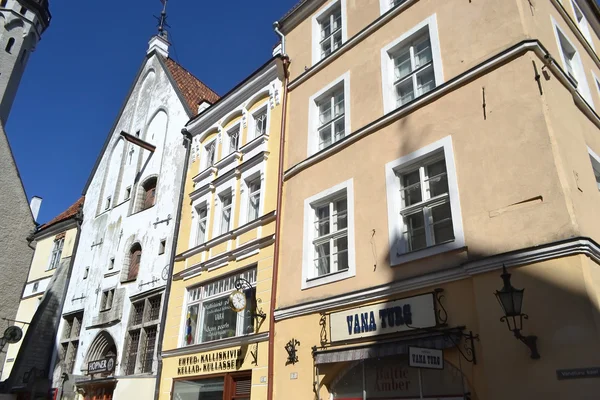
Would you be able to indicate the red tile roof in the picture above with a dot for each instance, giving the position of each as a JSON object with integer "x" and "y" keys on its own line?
{"x": 65, "y": 215}
{"x": 192, "y": 89}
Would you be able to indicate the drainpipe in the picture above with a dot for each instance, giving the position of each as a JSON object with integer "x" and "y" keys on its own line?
{"x": 282, "y": 36}
{"x": 286, "y": 62}
{"x": 187, "y": 140}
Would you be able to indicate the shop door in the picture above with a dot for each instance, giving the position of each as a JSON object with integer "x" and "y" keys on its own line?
{"x": 100, "y": 393}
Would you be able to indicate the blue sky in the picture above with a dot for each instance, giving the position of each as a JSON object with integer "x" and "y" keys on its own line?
{"x": 81, "y": 71}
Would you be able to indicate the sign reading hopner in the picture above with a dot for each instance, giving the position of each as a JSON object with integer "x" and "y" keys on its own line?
{"x": 379, "y": 319}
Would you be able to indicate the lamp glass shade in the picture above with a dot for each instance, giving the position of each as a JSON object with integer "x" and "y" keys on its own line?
{"x": 511, "y": 300}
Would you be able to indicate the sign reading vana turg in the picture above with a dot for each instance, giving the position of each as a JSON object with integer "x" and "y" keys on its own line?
{"x": 107, "y": 364}
{"x": 379, "y": 319}
{"x": 420, "y": 357}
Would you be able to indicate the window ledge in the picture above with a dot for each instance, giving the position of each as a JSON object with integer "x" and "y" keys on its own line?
{"x": 217, "y": 344}
{"x": 228, "y": 159}
{"x": 451, "y": 245}
{"x": 254, "y": 143}
{"x": 204, "y": 174}
{"x": 111, "y": 273}
{"x": 329, "y": 278}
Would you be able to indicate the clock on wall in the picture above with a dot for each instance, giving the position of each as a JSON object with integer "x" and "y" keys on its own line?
{"x": 237, "y": 301}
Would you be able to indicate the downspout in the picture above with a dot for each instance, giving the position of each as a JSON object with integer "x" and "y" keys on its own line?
{"x": 187, "y": 140}
{"x": 286, "y": 62}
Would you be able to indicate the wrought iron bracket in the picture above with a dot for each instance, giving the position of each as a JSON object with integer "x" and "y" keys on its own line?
{"x": 161, "y": 221}
{"x": 258, "y": 314}
{"x": 292, "y": 351}
{"x": 97, "y": 244}
{"x": 529, "y": 341}
{"x": 254, "y": 355}
{"x": 468, "y": 347}
{"x": 441, "y": 315}
{"x": 323, "y": 325}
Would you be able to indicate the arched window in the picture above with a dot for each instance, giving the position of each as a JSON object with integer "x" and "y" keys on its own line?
{"x": 149, "y": 194}
{"x": 135, "y": 256}
{"x": 10, "y": 44}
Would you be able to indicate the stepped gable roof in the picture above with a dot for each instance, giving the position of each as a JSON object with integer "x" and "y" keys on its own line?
{"x": 192, "y": 89}
{"x": 65, "y": 215}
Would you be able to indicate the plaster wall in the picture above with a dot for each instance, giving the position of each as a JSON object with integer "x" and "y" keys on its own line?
{"x": 26, "y": 310}
{"x": 111, "y": 233}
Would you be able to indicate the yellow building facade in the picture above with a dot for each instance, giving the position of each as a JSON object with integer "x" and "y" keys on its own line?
{"x": 427, "y": 145}
{"x": 216, "y": 333}
{"x": 54, "y": 245}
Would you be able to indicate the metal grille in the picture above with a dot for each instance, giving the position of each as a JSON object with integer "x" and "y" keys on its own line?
{"x": 242, "y": 386}
{"x": 134, "y": 341}
{"x": 138, "y": 313}
{"x": 154, "y": 308}
{"x": 68, "y": 328}
{"x": 149, "y": 349}
{"x": 71, "y": 353}
{"x": 76, "y": 326}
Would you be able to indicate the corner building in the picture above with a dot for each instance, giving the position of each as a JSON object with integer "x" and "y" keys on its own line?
{"x": 113, "y": 312}
{"x": 213, "y": 347}
{"x": 428, "y": 144}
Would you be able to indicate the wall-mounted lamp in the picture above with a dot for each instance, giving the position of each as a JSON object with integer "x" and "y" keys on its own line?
{"x": 511, "y": 301}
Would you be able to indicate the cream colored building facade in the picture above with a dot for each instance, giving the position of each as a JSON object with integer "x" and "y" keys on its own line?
{"x": 428, "y": 144}
{"x": 226, "y": 243}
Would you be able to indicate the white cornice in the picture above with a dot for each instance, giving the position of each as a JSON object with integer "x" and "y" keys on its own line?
{"x": 217, "y": 345}
{"x": 451, "y": 85}
{"x": 540, "y": 253}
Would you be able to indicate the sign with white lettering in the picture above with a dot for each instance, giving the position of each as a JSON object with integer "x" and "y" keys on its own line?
{"x": 379, "y": 319}
{"x": 99, "y": 366}
{"x": 420, "y": 357}
{"x": 578, "y": 373}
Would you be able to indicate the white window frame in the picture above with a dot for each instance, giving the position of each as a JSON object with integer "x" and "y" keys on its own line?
{"x": 387, "y": 5}
{"x": 199, "y": 219}
{"x": 316, "y": 28}
{"x": 227, "y": 187}
{"x": 264, "y": 108}
{"x": 313, "y": 112}
{"x": 246, "y": 273}
{"x": 583, "y": 25}
{"x": 387, "y": 62}
{"x": 56, "y": 254}
{"x": 580, "y": 76}
{"x": 308, "y": 279}
{"x": 255, "y": 172}
{"x": 204, "y": 201}
{"x": 205, "y": 151}
{"x": 595, "y": 161}
{"x": 397, "y": 244}
{"x": 230, "y": 131}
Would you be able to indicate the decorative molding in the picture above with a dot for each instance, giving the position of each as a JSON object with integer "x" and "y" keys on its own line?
{"x": 217, "y": 345}
{"x": 490, "y": 64}
{"x": 569, "y": 247}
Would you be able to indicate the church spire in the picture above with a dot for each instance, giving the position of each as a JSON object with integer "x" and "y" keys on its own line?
{"x": 159, "y": 43}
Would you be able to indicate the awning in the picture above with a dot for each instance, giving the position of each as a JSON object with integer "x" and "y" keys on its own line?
{"x": 433, "y": 340}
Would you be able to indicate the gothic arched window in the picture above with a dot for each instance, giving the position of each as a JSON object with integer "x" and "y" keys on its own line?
{"x": 135, "y": 256}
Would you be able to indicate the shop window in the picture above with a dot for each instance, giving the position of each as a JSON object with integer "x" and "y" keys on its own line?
{"x": 208, "y": 315}
{"x": 229, "y": 387}
{"x": 142, "y": 335}
{"x": 70, "y": 341}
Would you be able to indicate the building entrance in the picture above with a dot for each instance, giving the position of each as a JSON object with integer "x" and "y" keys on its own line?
{"x": 224, "y": 387}
{"x": 391, "y": 378}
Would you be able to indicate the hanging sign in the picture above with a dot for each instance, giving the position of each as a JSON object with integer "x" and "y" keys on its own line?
{"x": 379, "y": 319}
{"x": 420, "y": 357}
{"x": 107, "y": 364}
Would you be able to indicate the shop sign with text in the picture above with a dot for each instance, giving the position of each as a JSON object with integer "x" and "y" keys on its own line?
{"x": 420, "y": 357}
{"x": 217, "y": 361}
{"x": 99, "y": 366}
{"x": 379, "y": 319}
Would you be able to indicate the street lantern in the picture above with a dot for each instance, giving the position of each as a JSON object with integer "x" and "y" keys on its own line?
{"x": 511, "y": 301}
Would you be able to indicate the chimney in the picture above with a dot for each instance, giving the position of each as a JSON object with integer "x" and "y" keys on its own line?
{"x": 34, "y": 205}
{"x": 159, "y": 44}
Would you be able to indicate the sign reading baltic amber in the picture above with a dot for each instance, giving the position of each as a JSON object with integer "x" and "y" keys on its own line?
{"x": 218, "y": 361}
{"x": 379, "y": 319}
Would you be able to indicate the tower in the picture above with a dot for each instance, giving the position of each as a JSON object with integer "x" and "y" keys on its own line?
{"x": 22, "y": 23}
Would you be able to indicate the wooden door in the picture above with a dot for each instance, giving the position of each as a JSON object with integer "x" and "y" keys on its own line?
{"x": 134, "y": 264}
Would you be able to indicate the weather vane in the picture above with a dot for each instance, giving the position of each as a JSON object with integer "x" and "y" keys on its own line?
{"x": 162, "y": 20}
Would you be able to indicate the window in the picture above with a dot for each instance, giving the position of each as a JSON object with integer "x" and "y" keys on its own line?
{"x": 9, "y": 45}
{"x": 135, "y": 257}
{"x": 202, "y": 221}
{"x": 107, "y": 204}
{"x": 86, "y": 272}
{"x": 411, "y": 65}
{"x": 234, "y": 139}
{"x": 111, "y": 264}
{"x": 208, "y": 315}
{"x": 141, "y": 336}
{"x": 231, "y": 386}
{"x": 595, "y": 160}
{"x": 582, "y": 23}
{"x": 423, "y": 204}
{"x": 70, "y": 341}
{"x": 329, "y": 236}
{"x": 161, "y": 247}
{"x": 128, "y": 193}
{"x": 226, "y": 203}
{"x": 56, "y": 253}
{"x": 331, "y": 118}
{"x": 328, "y": 30}
{"x": 253, "y": 199}
{"x": 210, "y": 151}
{"x": 36, "y": 286}
{"x": 572, "y": 64}
{"x": 107, "y": 300}
{"x": 260, "y": 123}
{"x": 387, "y": 5}
{"x": 329, "y": 114}
{"x": 149, "y": 194}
